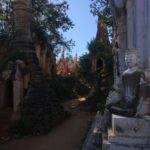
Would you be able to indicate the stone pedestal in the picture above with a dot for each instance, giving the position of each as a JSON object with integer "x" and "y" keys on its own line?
{"x": 128, "y": 134}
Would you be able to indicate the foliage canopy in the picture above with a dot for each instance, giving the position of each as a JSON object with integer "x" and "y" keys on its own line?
{"x": 50, "y": 20}
{"x": 102, "y": 9}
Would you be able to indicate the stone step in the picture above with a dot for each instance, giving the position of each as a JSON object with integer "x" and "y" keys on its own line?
{"x": 127, "y": 134}
{"x": 126, "y": 143}
{"x": 130, "y": 127}
{"x": 124, "y": 147}
{"x": 129, "y": 141}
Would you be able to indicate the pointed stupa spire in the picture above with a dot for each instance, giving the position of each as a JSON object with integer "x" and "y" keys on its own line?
{"x": 62, "y": 56}
{"x": 102, "y": 32}
{"x": 76, "y": 56}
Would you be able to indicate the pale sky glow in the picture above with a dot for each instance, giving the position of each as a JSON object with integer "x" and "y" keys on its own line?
{"x": 85, "y": 25}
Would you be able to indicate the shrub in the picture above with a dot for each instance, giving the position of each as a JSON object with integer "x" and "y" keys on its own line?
{"x": 40, "y": 110}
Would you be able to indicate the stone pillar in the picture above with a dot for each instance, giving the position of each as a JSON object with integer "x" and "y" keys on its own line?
{"x": 130, "y": 24}
{"x": 148, "y": 31}
{"x": 140, "y": 29}
{"x": 17, "y": 93}
{"x": 120, "y": 39}
{"x": 18, "y": 84}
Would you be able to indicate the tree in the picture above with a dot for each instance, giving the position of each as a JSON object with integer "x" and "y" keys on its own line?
{"x": 6, "y": 16}
{"x": 53, "y": 20}
{"x": 49, "y": 19}
{"x": 85, "y": 67}
{"x": 102, "y": 8}
{"x": 99, "y": 49}
{"x": 95, "y": 46}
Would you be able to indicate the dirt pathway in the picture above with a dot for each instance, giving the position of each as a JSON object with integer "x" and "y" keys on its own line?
{"x": 68, "y": 136}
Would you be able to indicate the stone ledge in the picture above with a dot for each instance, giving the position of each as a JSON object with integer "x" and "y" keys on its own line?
{"x": 124, "y": 147}
{"x": 130, "y": 127}
{"x": 129, "y": 141}
{"x": 126, "y": 143}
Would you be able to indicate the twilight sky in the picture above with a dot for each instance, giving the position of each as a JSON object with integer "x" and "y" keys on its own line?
{"x": 85, "y": 25}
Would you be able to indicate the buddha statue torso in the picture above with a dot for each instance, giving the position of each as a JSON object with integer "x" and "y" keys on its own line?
{"x": 130, "y": 82}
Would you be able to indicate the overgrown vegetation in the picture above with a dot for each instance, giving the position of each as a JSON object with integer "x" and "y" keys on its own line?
{"x": 101, "y": 79}
{"x": 50, "y": 19}
{"x": 40, "y": 110}
{"x": 53, "y": 19}
{"x": 68, "y": 87}
{"x": 97, "y": 98}
{"x": 101, "y": 8}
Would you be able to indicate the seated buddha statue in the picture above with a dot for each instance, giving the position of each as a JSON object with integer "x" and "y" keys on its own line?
{"x": 128, "y": 98}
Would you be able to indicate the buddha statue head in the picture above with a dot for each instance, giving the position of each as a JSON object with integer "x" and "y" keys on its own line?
{"x": 131, "y": 58}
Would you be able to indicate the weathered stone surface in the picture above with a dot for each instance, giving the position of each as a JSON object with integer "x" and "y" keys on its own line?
{"x": 114, "y": 146}
{"x": 143, "y": 109}
{"x": 126, "y": 143}
{"x": 128, "y": 96}
{"x": 131, "y": 127}
{"x": 131, "y": 22}
{"x": 127, "y": 134}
